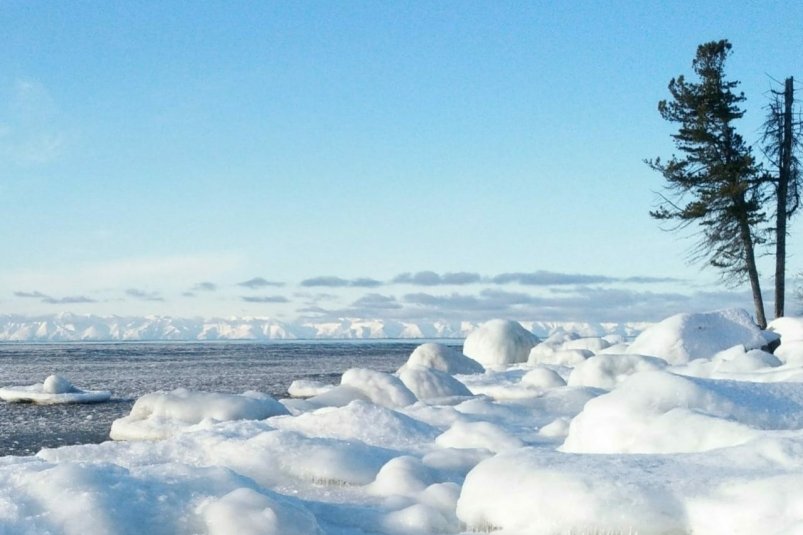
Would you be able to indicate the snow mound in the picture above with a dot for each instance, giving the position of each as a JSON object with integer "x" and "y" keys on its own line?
{"x": 737, "y": 360}
{"x": 525, "y": 491}
{"x": 443, "y": 358}
{"x": 606, "y": 371}
{"x": 684, "y": 337}
{"x": 593, "y": 344}
{"x": 543, "y": 378}
{"x": 247, "y": 512}
{"x": 162, "y": 414}
{"x": 481, "y": 435}
{"x": 381, "y": 388}
{"x": 404, "y": 475}
{"x": 53, "y": 391}
{"x": 658, "y": 412}
{"x": 789, "y": 328}
{"x": 429, "y": 383}
{"x": 545, "y": 354}
{"x": 791, "y": 352}
{"x": 363, "y": 421}
{"x": 305, "y": 388}
{"x": 499, "y": 343}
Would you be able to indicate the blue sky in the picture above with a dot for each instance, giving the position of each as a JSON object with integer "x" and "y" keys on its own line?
{"x": 155, "y": 156}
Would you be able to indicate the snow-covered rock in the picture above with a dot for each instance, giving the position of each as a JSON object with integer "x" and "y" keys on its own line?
{"x": 499, "y": 343}
{"x": 305, "y": 388}
{"x": 543, "y": 378}
{"x": 684, "y": 337}
{"x": 162, "y": 414}
{"x": 606, "y": 371}
{"x": 429, "y": 383}
{"x": 381, "y": 388}
{"x": 659, "y": 412}
{"x": 247, "y": 512}
{"x": 443, "y": 358}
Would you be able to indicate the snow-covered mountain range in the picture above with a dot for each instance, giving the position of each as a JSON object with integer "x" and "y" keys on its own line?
{"x": 75, "y": 327}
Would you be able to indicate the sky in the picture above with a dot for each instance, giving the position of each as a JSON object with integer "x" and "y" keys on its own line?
{"x": 399, "y": 160}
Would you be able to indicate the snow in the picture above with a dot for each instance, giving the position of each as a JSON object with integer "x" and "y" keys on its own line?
{"x": 606, "y": 370}
{"x": 703, "y": 433}
{"x": 54, "y": 390}
{"x": 684, "y": 337}
{"x": 428, "y": 384}
{"x": 247, "y": 512}
{"x": 444, "y": 359}
{"x": 381, "y": 388}
{"x": 305, "y": 388}
{"x": 499, "y": 343}
{"x": 162, "y": 414}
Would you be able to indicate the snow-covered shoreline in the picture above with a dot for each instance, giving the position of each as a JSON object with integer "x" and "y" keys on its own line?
{"x": 700, "y": 431}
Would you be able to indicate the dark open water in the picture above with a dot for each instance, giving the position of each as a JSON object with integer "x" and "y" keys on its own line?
{"x": 130, "y": 370}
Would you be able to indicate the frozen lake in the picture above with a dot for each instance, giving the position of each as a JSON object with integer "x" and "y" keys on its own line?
{"x": 130, "y": 370}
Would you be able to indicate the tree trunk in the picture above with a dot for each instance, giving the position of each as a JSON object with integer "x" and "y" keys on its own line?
{"x": 752, "y": 272}
{"x": 784, "y": 176}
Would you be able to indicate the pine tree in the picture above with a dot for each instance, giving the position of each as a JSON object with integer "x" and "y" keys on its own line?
{"x": 714, "y": 182}
{"x": 781, "y": 143}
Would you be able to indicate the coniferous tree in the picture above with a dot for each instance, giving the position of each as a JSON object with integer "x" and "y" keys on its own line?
{"x": 714, "y": 181}
{"x": 781, "y": 144}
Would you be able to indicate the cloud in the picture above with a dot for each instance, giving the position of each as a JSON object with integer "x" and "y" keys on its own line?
{"x": 204, "y": 287}
{"x": 32, "y": 295}
{"x": 375, "y": 301}
{"x": 143, "y": 295}
{"x": 69, "y": 300}
{"x": 337, "y": 282}
{"x": 265, "y": 299}
{"x": 258, "y": 282}
{"x": 50, "y": 300}
{"x": 430, "y": 278}
{"x": 365, "y": 282}
{"x": 550, "y": 278}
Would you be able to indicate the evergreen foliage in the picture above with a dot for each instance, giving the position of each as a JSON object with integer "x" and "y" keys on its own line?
{"x": 714, "y": 182}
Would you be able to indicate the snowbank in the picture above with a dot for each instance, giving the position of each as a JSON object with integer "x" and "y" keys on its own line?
{"x": 536, "y": 491}
{"x": 162, "y": 414}
{"x": 684, "y": 337}
{"x": 658, "y": 412}
{"x": 499, "y": 343}
{"x": 53, "y": 391}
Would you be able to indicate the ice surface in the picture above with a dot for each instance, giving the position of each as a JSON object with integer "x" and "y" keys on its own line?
{"x": 513, "y": 450}
{"x": 54, "y": 390}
